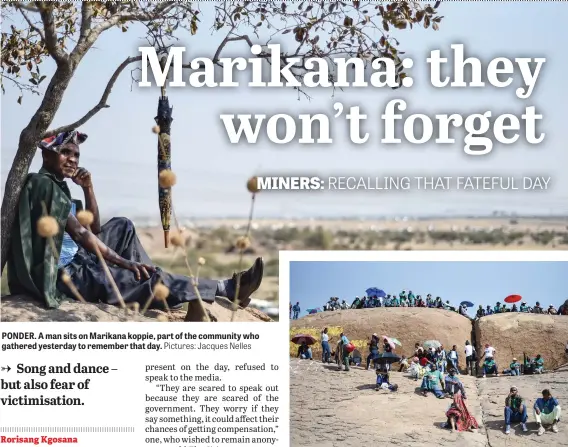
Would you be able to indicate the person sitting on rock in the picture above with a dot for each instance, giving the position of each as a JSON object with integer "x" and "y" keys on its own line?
{"x": 453, "y": 384}
{"x": 551, "y": 310}
{"x": 459, "y": 417}
{"x": 515, "y": 410}
{"x": 480, "y": 312}
{"x": 537, "y": 309}
{"x": 490, "y": 367}
{"x": 524, "y": 307}
{"x": 53, "y": 270}
{"x": 546, "y": 412}
{"x": 514, "y": 308}
{"x": 488, "y": 310}
{"x": 563, "y": 309}
{"x": 420, "y": 302}
{"x": 304, "y": 351}
{"x": 433, "y": 381}
{"x": 538, "y": 364}
{"x": 403, "y": 364}
{"x": 515, "y": 368}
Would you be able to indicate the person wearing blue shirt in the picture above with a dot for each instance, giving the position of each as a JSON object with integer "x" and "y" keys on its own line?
{"x": 546, "y": 412}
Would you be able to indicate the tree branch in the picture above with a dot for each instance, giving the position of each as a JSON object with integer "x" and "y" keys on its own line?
{"x": 102, "y": 104}
{"x": 32, "y": 26}
{"x": 26, "y": 6}
{"x": 86, "y": 18}
{"x": 225, "y": 41}
{"x": 50, "y": 39}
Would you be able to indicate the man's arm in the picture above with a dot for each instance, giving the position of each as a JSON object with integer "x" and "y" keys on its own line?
{"x": 83, "y": 178}
{"x": 93, "y": 207}
{"x": 90, "y": 243}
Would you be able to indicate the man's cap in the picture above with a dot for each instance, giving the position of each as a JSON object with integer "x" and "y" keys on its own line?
{"x": 514, "y": 359}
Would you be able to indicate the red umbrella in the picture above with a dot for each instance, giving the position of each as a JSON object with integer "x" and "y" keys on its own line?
{"x": 301, "y": 338}
{"x": 513, "y": 298}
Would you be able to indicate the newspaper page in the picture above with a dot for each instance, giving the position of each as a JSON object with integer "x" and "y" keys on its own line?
{"x": 283, "y": 223}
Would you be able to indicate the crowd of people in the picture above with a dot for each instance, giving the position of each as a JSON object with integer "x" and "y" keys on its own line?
{"x": 537, "y": 309}
{"x": 409, "y": 299}
{"x": 438, "y": 369}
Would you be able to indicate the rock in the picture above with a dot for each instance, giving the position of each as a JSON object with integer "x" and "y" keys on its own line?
{"x": 408, "y": 325}
{"x": 21, "y": 308}
{"x": 513, "y": 334}
{"x": 336, "y": 408}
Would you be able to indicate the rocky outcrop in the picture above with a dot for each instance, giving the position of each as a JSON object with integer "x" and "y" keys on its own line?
{"x": 408, "y": 325}
{"x": 513, "y": 334}
{"x": 21, "y": 308}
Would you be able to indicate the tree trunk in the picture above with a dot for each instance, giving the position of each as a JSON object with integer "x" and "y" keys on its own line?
{"x": 28, "y": 143}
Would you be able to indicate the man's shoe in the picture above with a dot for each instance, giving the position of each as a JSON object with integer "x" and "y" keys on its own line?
{"x": 524, "y": 427}
{"x": 540, "y": 430}
{"x": 249, "y": 282}
{"x": 507, "y": 429}
{"x": 555, "y": 427}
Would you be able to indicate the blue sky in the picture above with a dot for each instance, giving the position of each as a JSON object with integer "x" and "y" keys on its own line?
{"x": 312, "y": 283}
{"x": 212, "y": 173}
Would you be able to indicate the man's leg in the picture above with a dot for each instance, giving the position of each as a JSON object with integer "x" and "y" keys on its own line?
{"x": 119, "y": 234}
{"x": 508, "y": 414}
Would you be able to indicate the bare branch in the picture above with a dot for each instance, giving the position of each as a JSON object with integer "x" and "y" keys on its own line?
{"x": 50, "y": 39}
{"x": 25, "y": 5}
{"x": 228, "y": 39}
{"x": 102, "y": 104}
{"x": 32, "y": 26}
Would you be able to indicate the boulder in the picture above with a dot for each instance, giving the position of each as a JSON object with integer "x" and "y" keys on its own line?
{"x": 21, "y": 308}
{"x": 513, "y": 334}
{"x": 408, "y": 325}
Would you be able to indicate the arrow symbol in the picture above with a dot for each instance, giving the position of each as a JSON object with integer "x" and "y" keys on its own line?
{"x": 5, "y": 368}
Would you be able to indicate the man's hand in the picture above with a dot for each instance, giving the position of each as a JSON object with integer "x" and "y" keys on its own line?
{"x": 140, "y": 270}
{"x": 82, "y": 177}
{"x": 537, "y": 411}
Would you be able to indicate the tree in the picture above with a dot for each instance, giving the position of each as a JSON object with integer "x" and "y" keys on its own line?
{"x": 66, "y": 31}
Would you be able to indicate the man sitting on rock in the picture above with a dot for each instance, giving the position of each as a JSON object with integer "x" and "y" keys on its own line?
{"x": 546, "y": 412}
{"x": 515, "y": 410}
{"x": 537, "y": 309}
{"x": 453, "y": 384}
{"x": 515, "y": 368}
{"x": 433, "y": 381}
{"x": 490, "y": 367}
{"x": 488, "y": 311}
{"x": 305, "y": 352}
{"x": 34, "y": 268}
{"x": 551, "y": 310}
{"x": 480, "y": 312}
{"x": 524, "y": 307}
{"x": 538, "y": 364}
